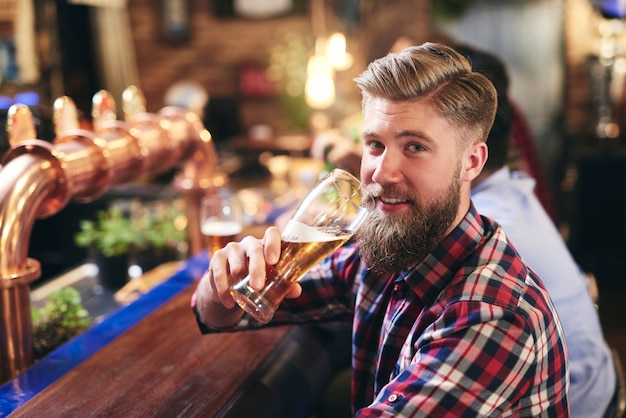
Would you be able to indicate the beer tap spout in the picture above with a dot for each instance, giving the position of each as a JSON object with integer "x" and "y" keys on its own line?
{"x": 38, "y": 178}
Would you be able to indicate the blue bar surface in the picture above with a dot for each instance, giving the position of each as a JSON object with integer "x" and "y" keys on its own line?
{"x": 22, "y": 388}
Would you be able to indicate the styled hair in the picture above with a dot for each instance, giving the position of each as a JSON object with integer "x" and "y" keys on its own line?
{"x": 440, "y": 75}
{"x": 499, "y": 138}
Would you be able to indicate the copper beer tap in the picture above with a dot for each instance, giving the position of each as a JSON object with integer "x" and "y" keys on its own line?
{"x": 38, "y": 178}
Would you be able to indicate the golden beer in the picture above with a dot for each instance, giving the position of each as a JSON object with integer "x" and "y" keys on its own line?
{"x": 326, "y": 218}
{"x": 297, "y": 258}
{"x": 218, "y": 233}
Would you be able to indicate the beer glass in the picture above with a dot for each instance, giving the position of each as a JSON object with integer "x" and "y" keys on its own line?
{"x": 325, "y": 219}
{"x": 221, "y": 221}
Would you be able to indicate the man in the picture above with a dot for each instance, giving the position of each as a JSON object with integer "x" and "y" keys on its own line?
{"x": 508, "y": 197}
{"x": 447, "y": 318}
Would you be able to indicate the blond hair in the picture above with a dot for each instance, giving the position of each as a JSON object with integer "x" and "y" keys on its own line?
{"x": 439, "y": 74}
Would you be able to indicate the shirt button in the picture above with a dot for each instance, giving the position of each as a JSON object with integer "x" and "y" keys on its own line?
{"x": 392, "y": 398}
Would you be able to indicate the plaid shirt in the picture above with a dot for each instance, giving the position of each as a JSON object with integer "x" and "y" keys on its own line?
{"x": 470, "y": 331}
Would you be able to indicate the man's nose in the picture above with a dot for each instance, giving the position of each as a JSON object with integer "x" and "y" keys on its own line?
{"x": 388, "y": 168}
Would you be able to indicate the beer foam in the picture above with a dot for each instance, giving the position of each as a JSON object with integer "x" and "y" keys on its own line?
{"x": 298, "y": 232}
{"x": 221, "y": 228}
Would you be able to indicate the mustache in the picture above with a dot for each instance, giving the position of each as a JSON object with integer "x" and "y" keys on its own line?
{"x": 375, "y": 190}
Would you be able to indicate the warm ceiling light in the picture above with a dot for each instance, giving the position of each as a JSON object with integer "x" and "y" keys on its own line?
{"x": 336, "y": 52}
{"x": 320, "y": 87}
{"x": 319, "y": 64}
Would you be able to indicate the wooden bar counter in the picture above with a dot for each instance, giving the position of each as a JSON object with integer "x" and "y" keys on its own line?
{"x": 149, "y": 359}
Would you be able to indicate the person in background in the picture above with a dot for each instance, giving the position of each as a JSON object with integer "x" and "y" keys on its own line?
{"x": 508, "y": 197}
{"x": 447, "y": 319}
{"x": 526, "y": 156}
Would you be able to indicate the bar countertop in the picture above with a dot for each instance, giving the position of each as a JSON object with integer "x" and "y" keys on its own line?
{"x": 149, "y": 359}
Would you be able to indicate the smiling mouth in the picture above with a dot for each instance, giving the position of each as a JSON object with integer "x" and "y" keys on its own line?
{"x": 392, "y": 200}
{"x": 388, "y": 198}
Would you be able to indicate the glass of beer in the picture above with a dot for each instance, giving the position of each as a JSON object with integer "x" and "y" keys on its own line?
{"x": 222, "y": 221}
{"x": 326, "y": 218}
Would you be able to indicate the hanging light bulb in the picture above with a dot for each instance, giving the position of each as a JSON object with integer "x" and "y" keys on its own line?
{"x": 336, "y": 52}
{"x": 320, "y": 86}
{"x": 319, "y": 64}
{"x": 320, "y": 91}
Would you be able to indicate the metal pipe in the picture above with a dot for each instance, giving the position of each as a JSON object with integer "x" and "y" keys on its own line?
{"x": 38, "y": 178}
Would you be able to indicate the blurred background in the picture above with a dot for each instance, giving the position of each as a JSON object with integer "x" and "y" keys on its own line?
{"x": 265, "y": 76}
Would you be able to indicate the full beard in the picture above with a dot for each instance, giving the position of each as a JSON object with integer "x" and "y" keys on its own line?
{"x": 392, "y": 242}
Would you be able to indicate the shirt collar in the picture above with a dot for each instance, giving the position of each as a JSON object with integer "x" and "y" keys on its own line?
{"x": 429, "y": 277}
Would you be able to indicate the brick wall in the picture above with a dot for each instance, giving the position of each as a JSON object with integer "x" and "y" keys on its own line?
{"x": 217, "y": 47}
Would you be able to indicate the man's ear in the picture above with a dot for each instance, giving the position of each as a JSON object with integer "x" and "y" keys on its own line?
{"x": 474, "y": 160}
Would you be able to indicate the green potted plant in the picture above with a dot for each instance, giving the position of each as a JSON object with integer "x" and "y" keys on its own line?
{"x": 163, "y": 230}
{"x": 62, "y": 318}
{"x": 112, "y": 233}
{"x": 112, "y": 238}
{"x": 147, "y": 233}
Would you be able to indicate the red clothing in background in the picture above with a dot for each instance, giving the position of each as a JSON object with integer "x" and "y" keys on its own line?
{"x": 523, "y": 142}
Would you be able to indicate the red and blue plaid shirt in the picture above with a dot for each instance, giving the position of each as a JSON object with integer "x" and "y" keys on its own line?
{"x": 470, "y": 331}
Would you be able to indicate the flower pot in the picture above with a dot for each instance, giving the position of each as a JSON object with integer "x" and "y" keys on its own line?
{"x": 112, "y": 271}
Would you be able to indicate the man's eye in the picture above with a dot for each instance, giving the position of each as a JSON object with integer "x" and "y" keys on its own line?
{"x": 415, "y": 148}
{"x": 374, "y": 144}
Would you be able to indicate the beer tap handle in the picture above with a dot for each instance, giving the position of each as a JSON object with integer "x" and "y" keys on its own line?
{"x": 64, "y": 116}
{"x": 20, "y": 125}
{"x": 133, "y": 102}
{"x": 103, "y": 109}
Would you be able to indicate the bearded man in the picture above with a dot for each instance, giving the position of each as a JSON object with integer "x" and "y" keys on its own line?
{"x": 447, "y": 319}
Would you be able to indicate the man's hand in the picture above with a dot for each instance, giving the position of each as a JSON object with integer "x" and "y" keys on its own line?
{"x": 231, "y": 264}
